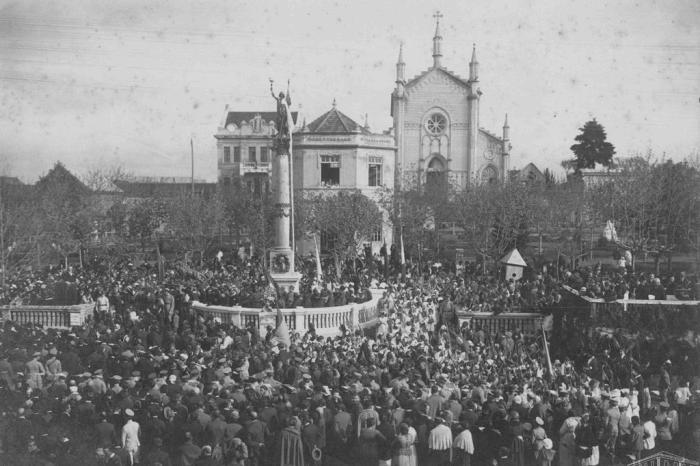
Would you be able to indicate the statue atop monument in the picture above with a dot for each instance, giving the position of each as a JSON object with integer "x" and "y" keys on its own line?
{"x": 284, "y": 123}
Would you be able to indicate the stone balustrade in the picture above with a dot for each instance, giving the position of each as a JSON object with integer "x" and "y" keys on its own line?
{"x": 669, "y": 301}
{"x": 60, "y": 317}
{"x": 326, "y": 320}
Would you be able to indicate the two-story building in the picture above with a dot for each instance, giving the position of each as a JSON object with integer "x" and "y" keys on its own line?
{"x": 244, "y": 148}
{"x": 333, "y": 153}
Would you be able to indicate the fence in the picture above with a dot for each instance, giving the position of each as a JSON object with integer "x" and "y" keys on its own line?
{"x": 664, "y": 459}
{"x": 326, "y": 320}
{"x": 601, "y": 304}
{"x": 525, "y": 322}
{"x": 61, "y": 317}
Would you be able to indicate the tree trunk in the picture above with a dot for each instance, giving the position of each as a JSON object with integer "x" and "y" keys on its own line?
{"x": 657, "y": 263}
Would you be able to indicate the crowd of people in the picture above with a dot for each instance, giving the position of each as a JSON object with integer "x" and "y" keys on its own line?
{"x": 621, "y": 283}
{"x": 129, "y": 287}
{"x": 149, "y": 381}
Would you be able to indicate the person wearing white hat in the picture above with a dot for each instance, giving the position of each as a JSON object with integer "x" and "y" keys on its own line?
{"x": 130, "y": 437}
{"x": 545, "y": 455}
{"x": 612, "y": 423}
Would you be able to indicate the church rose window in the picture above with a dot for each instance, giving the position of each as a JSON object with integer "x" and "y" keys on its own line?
{"x": 436, "y": 124}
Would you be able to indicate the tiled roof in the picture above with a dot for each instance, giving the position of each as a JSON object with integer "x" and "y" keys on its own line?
{"x": 157, "y": 189}
{"x": 10, "y": 180}
{"x": 335, "y": 121}
{"x": 237, "y": 117}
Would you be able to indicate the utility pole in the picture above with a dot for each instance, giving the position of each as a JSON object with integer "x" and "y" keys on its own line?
{"x": 192, "y": 162}
{"x": 2, "y": 240}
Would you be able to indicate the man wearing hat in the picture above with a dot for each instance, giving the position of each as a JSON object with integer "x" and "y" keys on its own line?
{"x": 612, "y": 422}
{"x": 130, "y": 437}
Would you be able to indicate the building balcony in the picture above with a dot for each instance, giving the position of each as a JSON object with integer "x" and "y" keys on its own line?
{"x": 246, "y": 168}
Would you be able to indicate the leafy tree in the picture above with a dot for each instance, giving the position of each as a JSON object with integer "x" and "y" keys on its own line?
{"x": 349, "y": 218}
{"x": 144, "y": 218}
{"x": 591, "y": 148}
{"x": 195, "y": 219}
{"x": 653, "y": 205}
{"x": 549, "y": 179}
{"x": 499, "y": 217}
{"x": 247, "y": 214}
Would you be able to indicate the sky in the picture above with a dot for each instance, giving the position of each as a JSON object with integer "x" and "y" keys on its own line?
{"x": 105, "y": 83}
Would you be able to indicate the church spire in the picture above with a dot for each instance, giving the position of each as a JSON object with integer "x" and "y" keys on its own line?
{"x": 473, "y": 66}
{"x": 437, "y": 41}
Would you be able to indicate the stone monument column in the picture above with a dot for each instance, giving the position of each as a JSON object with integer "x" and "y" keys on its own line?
{"x": 281, "y": 254}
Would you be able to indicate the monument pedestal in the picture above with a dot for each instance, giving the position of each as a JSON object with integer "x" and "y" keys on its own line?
{"x": 282, "y": 268}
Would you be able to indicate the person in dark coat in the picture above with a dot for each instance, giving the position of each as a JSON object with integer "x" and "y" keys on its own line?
{"x": 105, "y": 432}
{"x": 370, "y": 443}
{"x": 158, "y": 455}
{"x": 189, "y": 452}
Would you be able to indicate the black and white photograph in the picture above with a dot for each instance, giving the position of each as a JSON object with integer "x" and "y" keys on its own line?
{"x": 350, "y": 233}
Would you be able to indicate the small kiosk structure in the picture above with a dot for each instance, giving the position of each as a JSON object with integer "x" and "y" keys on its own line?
{"x": 514, "y": 265}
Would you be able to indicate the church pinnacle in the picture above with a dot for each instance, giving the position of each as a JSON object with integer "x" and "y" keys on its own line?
{"x": 437, "y": 41}
{"x": 400, "y": 67}
{"x": 473, "y": 66}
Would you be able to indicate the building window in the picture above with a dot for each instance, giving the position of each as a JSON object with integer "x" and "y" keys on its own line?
{"x": 236, "y": 155}
{"x": 252, "y": 156}
{"x": 375, "y": 171}
{"x": 227, "y": 181}
{"x": 330, "y": 170}
{"x": 377, "y": 235}
{"x": 227, "y": 154}
{"x": 264, "y": 154}
{"x": 328, "y": 240}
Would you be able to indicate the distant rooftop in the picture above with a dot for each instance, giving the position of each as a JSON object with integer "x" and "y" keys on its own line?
{"x": 163, "y": 179}
{"x": 335, "y": 121}
{"x": 238, "y": 117}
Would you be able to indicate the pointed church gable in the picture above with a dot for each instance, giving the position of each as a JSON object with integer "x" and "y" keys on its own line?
{"x": 435, "y": 79}
{"x": 488, "y": 137}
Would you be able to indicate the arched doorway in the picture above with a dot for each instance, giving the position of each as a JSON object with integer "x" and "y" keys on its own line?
{"x": 436, "y": 174}
{"x": 489, "y": 175}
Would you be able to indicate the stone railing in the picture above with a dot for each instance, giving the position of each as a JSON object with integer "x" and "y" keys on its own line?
{"x": 525, "y": 322}
{"x": 61, "y": 317}
{"x": 664, "y": 459}
{"x": 326, "y": 320}
{"x": 599, "y": 305}
{"x": 645, "y": 302}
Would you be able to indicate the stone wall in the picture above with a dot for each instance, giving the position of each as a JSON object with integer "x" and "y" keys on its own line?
{"x": 326, "y": 320}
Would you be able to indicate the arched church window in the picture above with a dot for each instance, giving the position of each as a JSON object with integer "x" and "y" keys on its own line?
{"x": 436, "y": 124}
{"x": 489, "y": 174}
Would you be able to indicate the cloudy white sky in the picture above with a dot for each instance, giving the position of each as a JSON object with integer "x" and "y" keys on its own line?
{"x": 105, "y": 82}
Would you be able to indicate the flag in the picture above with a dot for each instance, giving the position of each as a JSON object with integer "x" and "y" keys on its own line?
{"x": 546, "y": 350}
{"x": 403, "y": 256}
{"x": 319, "y": 271}
{"x": 547, "y": 323}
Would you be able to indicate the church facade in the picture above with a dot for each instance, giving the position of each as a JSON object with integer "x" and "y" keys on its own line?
{"x": 436, "y": 127}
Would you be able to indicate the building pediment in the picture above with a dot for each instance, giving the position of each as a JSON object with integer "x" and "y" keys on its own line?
{"x": 435, "y": 78}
